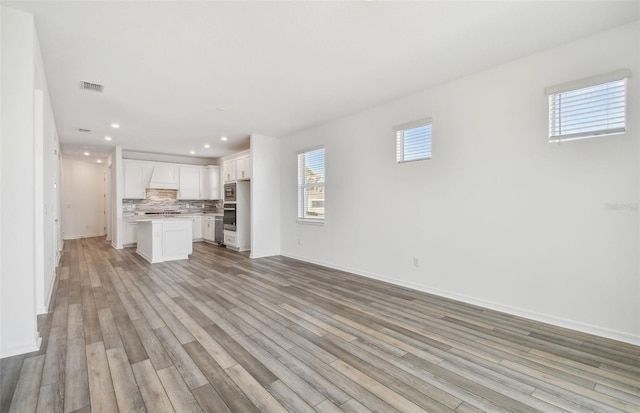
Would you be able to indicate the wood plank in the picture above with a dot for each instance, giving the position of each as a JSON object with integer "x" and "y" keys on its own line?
{"x": 103, "y": 398}
{"x": 9, "y": 374}
{"x": 376, "y": 388}
{"x": 76, "y": 391}
{"x": 156, "y": 352}
{"x": 25, "y": 398}
{"x": 181, "y": 359}
{"x": 288, "y": 398}
{"x": 260, "y": 397}
{"x": 233, "y": 397}
{"x": 132, "y": 344}
{"x": 125, "y": 387}
{"x": 209, "y": 400}
{"x": 153, "y": 394}
{"x": 181, "y": 397}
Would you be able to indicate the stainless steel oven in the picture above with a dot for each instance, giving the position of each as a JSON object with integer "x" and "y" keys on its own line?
{"x": 229, "y": 218}
{"x": 230, "y": 192}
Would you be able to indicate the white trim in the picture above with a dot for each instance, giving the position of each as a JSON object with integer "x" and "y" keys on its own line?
{"x": 588, "y": 81}
{"x": 45, "y": 309}
{"x": 263, "y": 255}
{"x": 84, "y": 236}
{"x": 311, "y": 149}
{"x": 22, "y": 348}
{"x": 413, "y": 124}
{"x": 309, "y": 221}
{"x": 520, "y": 312}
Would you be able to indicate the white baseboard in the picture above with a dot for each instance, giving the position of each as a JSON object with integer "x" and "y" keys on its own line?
{"x": 516, "y": 311}
{"x": 253, "y": 254}
{"x": 42, "y": 309}
{"x": 21, "y": 348}
{"x": 83, "y": 236}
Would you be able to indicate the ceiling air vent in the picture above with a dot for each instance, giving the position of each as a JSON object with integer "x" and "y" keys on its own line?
{"x": 92, "y": 86}
{"x": 84, "y": 130}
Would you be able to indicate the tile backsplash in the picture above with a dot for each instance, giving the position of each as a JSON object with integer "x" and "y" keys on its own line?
{"x": 161, "y": 200}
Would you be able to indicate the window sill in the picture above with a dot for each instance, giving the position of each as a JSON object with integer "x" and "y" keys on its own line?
{"x": 317, "y": 222}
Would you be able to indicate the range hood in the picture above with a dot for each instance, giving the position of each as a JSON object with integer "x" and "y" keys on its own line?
{"x": 164, "y": 177}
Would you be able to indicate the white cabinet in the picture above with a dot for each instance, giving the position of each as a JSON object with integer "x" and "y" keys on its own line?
{"x": 164, "y": 239}
{"x": 195, "y": 183}
{"x": 189, "y": 186}
{"x": 163, "y": 176}
{"x": 230, "y": 239}
{"x": 214, "y": 182}
{"x": 134, "y": 185}
{"x": 131, "y": 233}
{"x": 229, "y": 170}
{"x": 197, "y": 227}
{"x": 209, "y": 229}
{"x": 203, "y": 182}
{"x": 243, "y": 168}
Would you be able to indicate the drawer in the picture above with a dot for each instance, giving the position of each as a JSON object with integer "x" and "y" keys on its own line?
{"x": 230, "y": 240}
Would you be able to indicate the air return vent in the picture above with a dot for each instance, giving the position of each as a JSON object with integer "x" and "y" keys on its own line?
{"x": 92, "y": 86}
{"x": 84, "y": 130}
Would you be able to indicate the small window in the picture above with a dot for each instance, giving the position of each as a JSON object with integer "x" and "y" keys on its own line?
{"x": 413, "y": 141}
{"x": 311, "y": 185}
{"x": 589, "y": 107}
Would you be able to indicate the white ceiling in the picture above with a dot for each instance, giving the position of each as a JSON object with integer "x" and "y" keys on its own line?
{"x": 275, "y": 67}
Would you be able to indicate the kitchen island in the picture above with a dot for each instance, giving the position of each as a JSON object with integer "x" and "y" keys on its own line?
{"x": 165, "y": 238}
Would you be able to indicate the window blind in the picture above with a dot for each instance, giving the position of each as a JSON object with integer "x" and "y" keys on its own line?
{"x": 311, "y": 184}
{"x": 588, "y": 109}
{"x": 413, "y": 141}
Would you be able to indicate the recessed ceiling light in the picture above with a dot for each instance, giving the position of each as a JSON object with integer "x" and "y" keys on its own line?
{"x": 207, "y": 146}
{"x": 107, "y": 138}
{"x": 99, "y": 160}
{"x": 115, "y": 125}
{"x": 86, "y": 153}
{"x": 223, "y": 138}
{"x": 192, "y": 152}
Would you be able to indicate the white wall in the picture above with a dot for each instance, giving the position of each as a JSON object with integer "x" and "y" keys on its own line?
{"x": 47, "y": 179}
{"x": 265, "y": 196}
{"x": 1, "y": 175}
{"x": 82, "y": 198}
{"x": 499, "y": 217}
{"x": 18, "y": 327}
{"x": 117, "y": 185}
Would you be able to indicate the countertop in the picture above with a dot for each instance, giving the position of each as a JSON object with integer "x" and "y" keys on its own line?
{"x": 160, "y": 218}
{"x": 189, "y": 215}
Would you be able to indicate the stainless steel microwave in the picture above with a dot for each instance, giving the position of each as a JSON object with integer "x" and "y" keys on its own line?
{"x": 230, "y": 192}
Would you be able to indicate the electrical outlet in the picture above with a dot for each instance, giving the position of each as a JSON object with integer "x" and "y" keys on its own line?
{"x": 298, "y": 241}
{"x": 416, "y": 262}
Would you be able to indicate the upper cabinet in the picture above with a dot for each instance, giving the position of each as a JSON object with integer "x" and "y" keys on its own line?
{"x": 199, "y": 182}
{"x": 193, "y": 182}
{"x": 229, "y": 170}
{"x": 189, "y": 187}
{"x": 214, "y": 182}
{"x": 164, "y": 176}
{"x": 238, "y": 168}
{"x": 243, "y": 168}
{"x": 134, "y": 179}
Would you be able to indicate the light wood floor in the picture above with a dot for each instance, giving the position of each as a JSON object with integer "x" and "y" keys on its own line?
{"x": 221, "y": 332}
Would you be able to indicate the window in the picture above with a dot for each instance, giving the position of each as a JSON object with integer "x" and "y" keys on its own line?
{"x": 589, "y": 107}
{"x": 413, "y": 141}
{"x": 311, "y": 185}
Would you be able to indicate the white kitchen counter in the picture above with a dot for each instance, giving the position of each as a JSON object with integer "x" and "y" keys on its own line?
{"x": 164, "y": 238}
